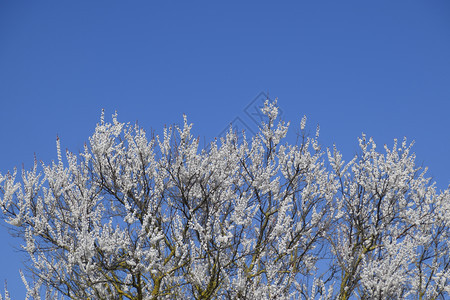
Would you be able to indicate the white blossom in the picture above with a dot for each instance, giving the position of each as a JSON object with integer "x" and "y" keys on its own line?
{"x": 160, "y": 218}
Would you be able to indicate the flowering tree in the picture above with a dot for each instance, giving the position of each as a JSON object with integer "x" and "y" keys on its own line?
{"x": 392, "y": 240}
{"x": 158, "y": 218}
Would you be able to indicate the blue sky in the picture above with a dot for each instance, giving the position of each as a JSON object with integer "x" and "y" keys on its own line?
{"x": 378, "y": 67}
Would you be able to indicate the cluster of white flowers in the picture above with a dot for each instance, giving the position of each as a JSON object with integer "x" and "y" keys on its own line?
{"x": 132, "y": 218}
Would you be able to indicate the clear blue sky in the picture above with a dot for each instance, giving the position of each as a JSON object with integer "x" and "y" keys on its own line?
{"x": 379, "y": 67}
